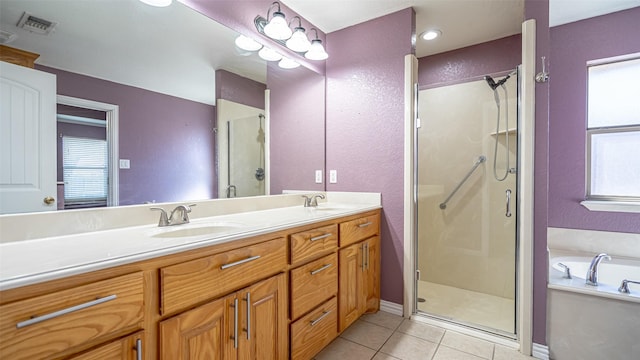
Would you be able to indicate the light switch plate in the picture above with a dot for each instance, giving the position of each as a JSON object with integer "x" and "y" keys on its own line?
{"x": 125, "y": 163}
{"x": 318, "y": 176}
{"x": 333, "y": 176}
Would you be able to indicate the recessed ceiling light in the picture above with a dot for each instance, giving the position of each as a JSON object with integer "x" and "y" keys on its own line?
{"x": 431, "y": 34}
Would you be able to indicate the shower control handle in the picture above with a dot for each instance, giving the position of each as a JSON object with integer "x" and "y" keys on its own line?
{"x": 508, "y": 211}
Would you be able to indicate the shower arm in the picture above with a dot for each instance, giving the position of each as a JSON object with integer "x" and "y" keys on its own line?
{"x": 480, "y": 160}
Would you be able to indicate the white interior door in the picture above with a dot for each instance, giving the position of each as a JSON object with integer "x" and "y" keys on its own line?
{"x": 27, "y": 140}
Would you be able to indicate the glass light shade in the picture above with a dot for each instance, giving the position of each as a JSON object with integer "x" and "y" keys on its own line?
{"x": 298, "y": 41}
{"x": 248, "y": 44}
{"x": 157, "y": 3}
{"x": 316, "y": 51}
{"x": 431, "y": 34}
{"x": 277, "y": 27}
{"x": 287, "y": 63}
{"x": 269, "y": 54}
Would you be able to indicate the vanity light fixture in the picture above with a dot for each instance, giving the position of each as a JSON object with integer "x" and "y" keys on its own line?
{"x": 298, "y": 42}
{"x": 431, "y": 34}
{"x": 247, "y": 43}
{"x": 269, "y": 54}
{"x": 277, "y": 27}
{"x": 287, "y": 63}
{"x": 157, "y": 3}
{"x": 316, "y": 51}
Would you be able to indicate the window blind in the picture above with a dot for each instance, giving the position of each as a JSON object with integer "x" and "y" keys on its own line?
{"x": 85, "y": 171}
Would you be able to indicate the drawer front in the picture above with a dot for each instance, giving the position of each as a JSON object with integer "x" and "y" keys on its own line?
{"x": 189, "y": 283}
{"x": 313, "y": 283}
{"x": 359, "y": 229}
{"x": 310, "y": 244}
{"x": 314, "y": 331}
{"x": 126, "y": 348}
{"x": 50, "y": 324}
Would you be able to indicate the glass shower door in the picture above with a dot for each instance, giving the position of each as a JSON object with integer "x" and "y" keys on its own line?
{"x": 467, "y": 176}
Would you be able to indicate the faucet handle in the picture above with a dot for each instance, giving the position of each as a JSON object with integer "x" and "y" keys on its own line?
{"x": 314, "y": 199}
{"x": 164, "y": 219}
{"x": 307, "y": 200}
{"x": 567, "y": 270}
{"x": 624, "y": 287}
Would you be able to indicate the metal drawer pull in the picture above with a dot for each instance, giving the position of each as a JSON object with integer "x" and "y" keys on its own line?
{"x": 226, "y": 266}
{"x": 366, "y": 257}
{"x": 139, "y": 349}
{"x": 248, "y": 316}
{"x": 235, "y": 323}
{"x": 320, "y": 237}
{"x": 324, "y": 314}
{"x": 321, "y": 269}
{"x": 365, "y": 224}
{"x": 52, "y": 315}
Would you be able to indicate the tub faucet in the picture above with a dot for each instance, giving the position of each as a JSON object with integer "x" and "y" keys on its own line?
{"x": 592, "y": 273}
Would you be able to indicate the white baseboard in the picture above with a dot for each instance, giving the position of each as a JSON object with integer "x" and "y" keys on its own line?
{"x": 540, "y": 351}
{"x": 392, "y": 308}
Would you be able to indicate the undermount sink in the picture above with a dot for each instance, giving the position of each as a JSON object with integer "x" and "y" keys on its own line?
{"x": 197, "y": 230}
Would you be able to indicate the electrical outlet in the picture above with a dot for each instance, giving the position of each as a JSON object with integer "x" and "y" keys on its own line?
{"x": 318, "y": 176}
{"x": 333, "y": 176}
{"x": 125, "y": 163}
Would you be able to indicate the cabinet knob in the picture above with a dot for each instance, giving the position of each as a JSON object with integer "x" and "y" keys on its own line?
{"x": 49, "y": 200}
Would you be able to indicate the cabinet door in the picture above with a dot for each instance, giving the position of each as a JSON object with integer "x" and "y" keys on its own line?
{"x": 127, "y": 348}
{"x": 371, "y": 278}
{"x": 201, "y": 333}
{"x": 350, "y": 301}
{"x": 264, "y": 320}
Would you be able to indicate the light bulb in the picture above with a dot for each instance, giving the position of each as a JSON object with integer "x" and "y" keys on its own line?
{"x": 277, "y": 27}
{"x": 316, "y": 51}
{"x": 157, "y": 3}
{"x": 431, "y": 34}
{"x": 287, "y": 63}
{"x": 269, "y": 54}
{"x": 298, "y": 41}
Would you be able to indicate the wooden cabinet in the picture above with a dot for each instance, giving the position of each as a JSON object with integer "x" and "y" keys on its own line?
{"x": 313, "y": 283}
{"x": 248, "y": 324}
{"x": 314, "y": 331}
{"x": 359, "y": 269}
{"x": 59, "y": 322}
{"x": 127, "y": 348}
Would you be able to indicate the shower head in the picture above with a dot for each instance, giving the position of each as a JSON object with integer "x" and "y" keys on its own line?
{"x": 491, "y": 82}
{"x": 261, "y": 116}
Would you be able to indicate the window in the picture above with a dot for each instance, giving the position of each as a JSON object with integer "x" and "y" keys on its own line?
{"x": 85, "y": 172}
{"x": 613, "y": 134}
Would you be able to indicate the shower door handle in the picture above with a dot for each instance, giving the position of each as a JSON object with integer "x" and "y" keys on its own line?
{"x": 508, "y": 211}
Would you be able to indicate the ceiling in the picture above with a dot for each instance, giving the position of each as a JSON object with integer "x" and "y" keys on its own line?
{"x": 179, "y": 53}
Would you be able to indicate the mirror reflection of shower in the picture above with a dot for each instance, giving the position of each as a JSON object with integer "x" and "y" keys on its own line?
{"x": 260, "y": 139}
{"x": 494, "y": 86}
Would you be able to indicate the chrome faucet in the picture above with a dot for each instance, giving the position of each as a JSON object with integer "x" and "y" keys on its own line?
{"x": 312, "y": 201}
{"x": 168, "y": 220}
{"x": 592, "y": 273}
{"x": 624, "y": 287}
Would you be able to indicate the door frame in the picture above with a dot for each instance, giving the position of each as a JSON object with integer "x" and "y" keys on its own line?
{"x": 526, "y": 115}
{"x": 112, "y": 119}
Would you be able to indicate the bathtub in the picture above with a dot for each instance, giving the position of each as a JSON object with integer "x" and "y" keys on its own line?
{"x": 593, "y": 322}
{"x": 610, "y": 276}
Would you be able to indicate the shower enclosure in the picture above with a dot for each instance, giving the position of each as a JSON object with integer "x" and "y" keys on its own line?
{"x": 466, "y": 210}
{"x": 241, "y": 150}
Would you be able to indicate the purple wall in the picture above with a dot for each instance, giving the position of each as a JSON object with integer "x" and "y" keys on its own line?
{"x": 238, "y": 15}
{"x": 572, "y": 46}
{"x": 239, "y": 89}
{"x": 169, "y": 140}
{"x": 539, "y": 10}
{"x": 296, "y": 128}
{"x": 470, "y": 63}
{"x": 365, "y": 124}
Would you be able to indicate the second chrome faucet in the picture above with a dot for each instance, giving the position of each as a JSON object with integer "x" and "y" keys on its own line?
{"x": 592, "y": 273}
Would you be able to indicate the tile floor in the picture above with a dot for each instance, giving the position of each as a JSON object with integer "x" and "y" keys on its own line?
{"x": 383, "y": 336}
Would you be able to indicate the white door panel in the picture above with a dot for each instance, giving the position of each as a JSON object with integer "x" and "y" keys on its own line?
{"x": 27, "y": 139}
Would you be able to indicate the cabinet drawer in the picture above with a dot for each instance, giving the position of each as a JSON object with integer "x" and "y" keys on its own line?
{"x": 359, "y": 229}
{"x": 314, "y": 331}
{"x": 313, "y": 283}
{"x": 122, "y": 349}
{"x": 46, "y": 325}
{"x": 189, "y": 283}
{"x": 309, "y": 244}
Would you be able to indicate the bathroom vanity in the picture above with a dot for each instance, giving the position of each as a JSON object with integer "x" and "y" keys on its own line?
{"x": 283, "y": 293}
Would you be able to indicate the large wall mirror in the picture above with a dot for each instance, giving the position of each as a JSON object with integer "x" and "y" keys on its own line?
{"x": 193, "y": 121}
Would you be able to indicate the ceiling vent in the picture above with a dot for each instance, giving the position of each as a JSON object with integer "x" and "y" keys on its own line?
{"x": 36, "y": 24}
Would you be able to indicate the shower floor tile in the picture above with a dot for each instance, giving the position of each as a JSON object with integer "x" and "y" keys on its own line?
{"x": 467, "y": 306}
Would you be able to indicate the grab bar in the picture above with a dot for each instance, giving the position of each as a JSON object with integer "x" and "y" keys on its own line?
{"x": 480, "y": 160}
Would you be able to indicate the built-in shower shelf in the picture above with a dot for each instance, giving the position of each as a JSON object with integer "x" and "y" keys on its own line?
{"x": 511, "y": 131}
